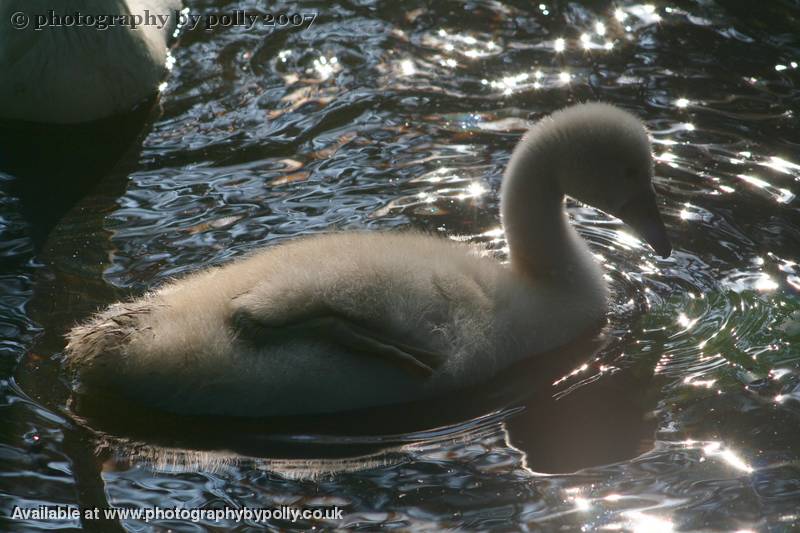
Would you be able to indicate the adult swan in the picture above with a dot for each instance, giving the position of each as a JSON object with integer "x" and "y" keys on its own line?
{"x": 57, "y": 68}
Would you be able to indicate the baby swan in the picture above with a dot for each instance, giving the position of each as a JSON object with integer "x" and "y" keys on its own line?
{"x": 352, "y": 320}
{"x": 72, "y": 61}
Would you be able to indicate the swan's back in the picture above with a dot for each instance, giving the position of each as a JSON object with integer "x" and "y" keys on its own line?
{"x": 78, "y": 74}
{"x": 176, "y": 348}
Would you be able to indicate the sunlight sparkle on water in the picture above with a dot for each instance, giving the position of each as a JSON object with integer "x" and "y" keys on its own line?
{"x": 494, "y": 233}
{"x": 509, "y": 83}
{"x": 475, "y": 189}
{"x": 643, "y": 523}
{"x": 426, "y": 197}
{"x": 325, "y": 67}
{"x": 714, "y": 449}
{"x": 582, "y": 504}
{"x": 407, "y": 67}
{"x": 599, "y": 28}
{"x": 685, "y": 321}
{"x": 707, "y": 383}
{"x": 765, "y": 284}
{"x": 682, "y": 103}
{"x": 559, "y": 45}
{"x": 564, "y": 77}
{"x": 627, "y": 239}
{"x": 781, "y": 165}
{"x": 752, "y": 180}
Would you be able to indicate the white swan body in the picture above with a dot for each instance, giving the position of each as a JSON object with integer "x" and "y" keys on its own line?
{"x": 351, "y": 320}
{"x": 79, "y": 73}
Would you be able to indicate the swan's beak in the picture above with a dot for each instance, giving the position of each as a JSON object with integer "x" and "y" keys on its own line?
{"x": 641, "y": 214}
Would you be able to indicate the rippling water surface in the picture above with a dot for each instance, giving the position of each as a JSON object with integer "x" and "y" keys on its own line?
{"x": 403, "y": 114}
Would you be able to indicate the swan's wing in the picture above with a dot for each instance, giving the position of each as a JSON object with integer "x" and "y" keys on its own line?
{"x": 344, "y": 331}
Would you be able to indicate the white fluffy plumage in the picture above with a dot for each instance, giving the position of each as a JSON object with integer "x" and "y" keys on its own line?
{"x": 79, "y": 73}
{"x": 255, "y": 337}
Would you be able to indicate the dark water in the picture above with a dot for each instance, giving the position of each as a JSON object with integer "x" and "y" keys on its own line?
{"x": 402, "y": 114}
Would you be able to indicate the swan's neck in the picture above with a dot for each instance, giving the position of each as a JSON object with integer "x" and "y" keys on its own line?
{"x": 542, "y": 243}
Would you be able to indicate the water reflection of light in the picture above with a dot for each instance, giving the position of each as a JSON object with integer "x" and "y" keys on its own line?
{"x": 685, "y": 321}
{"x": 509, "y": 84}
{"x": 564, "y": 77}
{"x": 575, "y": 372}
{"x": 407, "y": 67}
{"x": 682, "y": 102}
{"x": 426, "y": 197}
{"x": 752, "y": 180}
{"x": 599, "y": 28}
{"x": 780, "y": 68}
{"x": 582, "y": 504}
{"x": 765, "y": 284}
{"x": 325, "y": 67}
{"x": 466, "y": 45}
{"x": 559, "y": 45}
{"x": 688, "y": 126}
{"x": 665, "y": 142}
{"x": 781, "y": 165}
{"x": 643, "y": 523}
{"x": 629, "y": 240}
{"x": 715, "y": 449}
{"x": 707, "y": 383}
{"x": 690, "y": 212}
{"x": 609, "y": 45}
{"x": 646, "y": 13}
{"x": 475, "y": 189}
{"x": 586, "y": 41}
{"x": 169, "y": 63}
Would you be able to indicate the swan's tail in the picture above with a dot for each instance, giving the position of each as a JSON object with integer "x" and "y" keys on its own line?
{"x": 101, "y": 341}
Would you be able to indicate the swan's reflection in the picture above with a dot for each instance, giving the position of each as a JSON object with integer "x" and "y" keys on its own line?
{"x": 557, "y": 425}
{"x": 51, "y": 167}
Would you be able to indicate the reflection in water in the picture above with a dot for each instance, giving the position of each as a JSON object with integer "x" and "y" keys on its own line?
{"x": 391, "y": 114}
{"x": 49, "y": 168}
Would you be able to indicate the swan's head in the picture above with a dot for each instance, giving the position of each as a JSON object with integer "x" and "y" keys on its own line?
{"x": 604, "y": 159}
